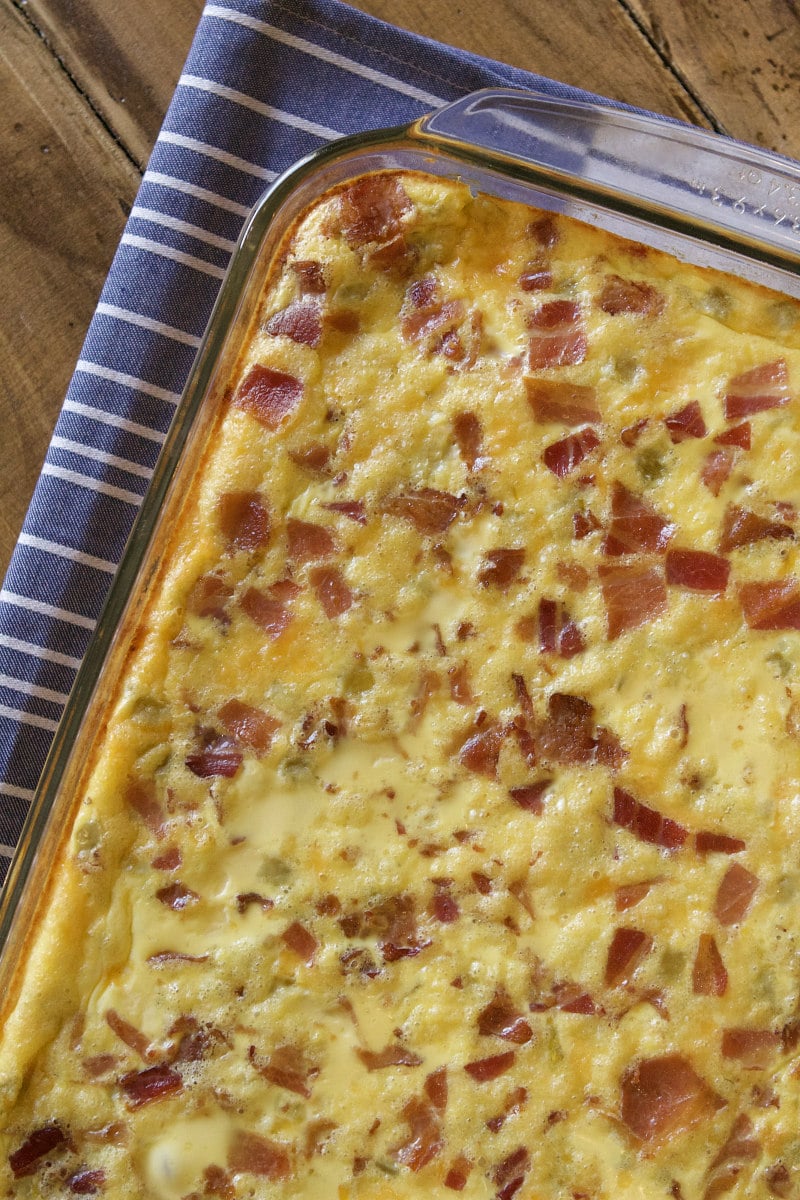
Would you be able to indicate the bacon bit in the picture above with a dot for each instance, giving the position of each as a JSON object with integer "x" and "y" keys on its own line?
{"x": 627, "y": 950}
{"x": 244, "y": 520}
{"x": 216, "y": 757}
{"x": 458, "y": 1174}
{"x": 558, "y": 335}
{"x": 501, "y": 567}
{"x": 647, "y": 824}
{"x": 779, "y": 1181}
{"x": 511, "y": 1106}
{"x": 301, "y": 941}
{"x": 428, "y": 318}
{"x": 536, "y": 278}
{"x": 557, "y": 633}
{"x": 735, "y": 894}
{"x": 482, "y": 1070}
{"x": 571, "y": 998}
{"x": 310, "y": 276}
{"x": 483, "y": 883}
{"x": 192, "y": 1042}
{"x": 140, "y": 795}
{"x": 393, "y": 1055}
{"x": 709, "y": 977}
{"x": 740, "y": 527}
{"x": 636, "y": 527}
{"x": 307, "y": 541}
{"x": 501, "y": 1019}
{"x": 167, "y": 956}
{"x": 269, "y": 614}
{"x": 568, "y": 735}
{"x": 397, "y": 255}
{"x": 716, "y": 469}
{"x": 86, "y": 1182}
{"x": 509, "y": 1175}
{"x": 631, "y": 433}
{"x": 312, "y": 457}
{"x": 252, "y": 726}
{"x": 753, "y": 1048}
{"x": 26, "y": 1160}
{"x": 436, "y": 1088}
{"x": 530, "y": 796}
{"x": 176, "y": 896}
{"x": 268, "y": 395}
{"x": 481, "y": 752}
{"x": 343, "y": 320}
{"x": 633, "y": 595}
{"x": 255, "y": 1155}
{"x": 332, "y": 592}
{"x": 766, "y": 386}
{"x": 286, "y": 1067}
{"x": 144, "y": 1087}
{"x": 99, "y": 1064}
{"x": 428, "y": 510}
{"x": 468, "y": 434}
{"x": 169, "y": 860}
{"x": 425, "y": 1139}
{"x": 697, "y": 570}
{"x": 584, "y": 523}
{"x": 664, "y": 1097}
{"x": 620, "y": 295}
{"x": 739, "y": 1148}
{"x": 573, "y": 575}
{"x": 628, "y": 895}
{"x": 565, "y": 455}
{"x": 544, "y": 230}
{"x": 771, "y": 605}
{"x": 245, "y": 899}
{"x": 687, "y": 422}
{"x": 208, "y": 597}
{"x": 708, "y": 842}
{"x": 738, "y": 435}
{"x": 352, "y": 509}
{"x": 372, "y": 208}
{"x": 460, "y": 691}
{"x": 300, "y": 321}
{"x": 563, "y": 402}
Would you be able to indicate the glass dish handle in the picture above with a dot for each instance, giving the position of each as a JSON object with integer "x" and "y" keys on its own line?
{"x": 607, "y": 153}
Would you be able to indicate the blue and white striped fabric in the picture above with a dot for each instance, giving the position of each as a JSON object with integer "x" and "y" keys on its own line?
{"x": 264, "y": 84}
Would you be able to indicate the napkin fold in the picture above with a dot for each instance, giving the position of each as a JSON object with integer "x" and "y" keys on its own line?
{"x": 264, "y": 84}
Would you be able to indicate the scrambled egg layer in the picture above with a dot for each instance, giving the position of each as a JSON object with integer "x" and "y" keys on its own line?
{"x": 444, "y": 836}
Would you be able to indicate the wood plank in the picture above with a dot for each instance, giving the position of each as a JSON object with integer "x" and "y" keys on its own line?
{"x": 126, "y": 58}
{"x": 742, "y": 58}
{"x": 592, "y": 44}
{"x": 64, "y": 192}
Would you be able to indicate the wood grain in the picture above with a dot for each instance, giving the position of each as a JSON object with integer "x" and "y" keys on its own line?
{"x": 65, "y": 187}
{"x": 124, "y": 58}
{"x": 743, "y": 58}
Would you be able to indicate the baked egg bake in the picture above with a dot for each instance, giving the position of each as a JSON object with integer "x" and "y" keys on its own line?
{"x": 444, "y": 834}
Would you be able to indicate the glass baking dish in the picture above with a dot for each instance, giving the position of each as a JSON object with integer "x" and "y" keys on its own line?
{"x": 676, "y": 188}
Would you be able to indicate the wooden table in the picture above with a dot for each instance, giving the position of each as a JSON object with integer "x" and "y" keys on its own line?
{"x": 84, "y": 85}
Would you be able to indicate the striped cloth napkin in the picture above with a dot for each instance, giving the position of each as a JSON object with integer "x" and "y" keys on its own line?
{"x": 264, "y": 84}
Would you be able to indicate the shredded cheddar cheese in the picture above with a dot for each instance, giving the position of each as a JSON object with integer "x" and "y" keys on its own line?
{"x": 444, "y": 835}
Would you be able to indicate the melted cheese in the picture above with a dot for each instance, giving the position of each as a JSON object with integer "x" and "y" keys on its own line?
{"x": 413, "y": 874}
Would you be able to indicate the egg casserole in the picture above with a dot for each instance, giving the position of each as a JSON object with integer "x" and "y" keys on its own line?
{"x": 445, "y": 834}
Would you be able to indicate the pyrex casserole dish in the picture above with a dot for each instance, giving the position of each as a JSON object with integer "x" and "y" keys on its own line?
{"x": 700, "y": 209}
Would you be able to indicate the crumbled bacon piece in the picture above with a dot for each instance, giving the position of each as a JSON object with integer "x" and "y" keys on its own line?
{"x": 140, "y": 795}
{"x": 755, "y": 1049}
{"x": 687, "y": 422}
{"x": 393, "y": 1055}
{"x": 209, "y": 597}
{"x": 529, "y": 796}
{"x": 428, "y": 510}
{"x": 249, "y": 725}
{"x": 372, "y": 209}
{"x": 558, "y": 335}
{"x": 444, "y": 908}
{"x": 332, "y": 592}
{"x": 244, "y": 900}
{"x": 267, "y": 612}
{"x": 709, "y": 977}
{"x": 737, "y": 435}
{"x": 87, "y": 1183}
{"x": 287, "y": 1067}
{"x": 502, "y": 1019}
{"x": 771, "y": 605}
{"x": 564, "y": 456}
{"x": 300, "y": 321}
{"x": 627, "y": 950}
{"x": 664, "y": 1097}
{"x": 562, "y": 402}
{"x": 310, "y": 275}
{"x": 307, "y": 541}
{"x": 509, "y": 1175}
{"x": 763, "y": 387}
{"x": 568, "y": 734}
{"x": 255, "y": 1155}
{"x": 460, "y": 691}
{"x": 620, "y": 295}
{"x": 483, "y": 883}
{"x": 481, "y": 751}
{"x": 268, "y": 395}
{"x": 312, "y": 457}
{"x": 482, "y": 1070}
{"x": 735, "y": 894}
{"x": 145, "y": 1087}
{"x": 740, "y": 527}
{"x": 636, "y": 527}
{"x": 584, "y": 523}
{"x": 425, "y": 1140}
{"x": 169, "y": 860}
{"x": 633, "y": 595}
{"x": 352, "y": 509}
{"x": 27, "y": 1159}
{"x": 301, "y": 941}
{"x": 244, "y": 520}
{"x": 433, "y": 322}
{"x": 537, "y": 277}
{"x": 501, "y": 567}
{"x": 468, "y": 434}
{"x": 436, "y": 1088}
{"x": 697, "y": 570}
{"x": 739, "y": 1148}
{"x": 176, "y": 896}
{"x": 779, "y": 1181}
{"x": 628, "y": 895}
{"x": 458, "y": 1174}
{"x": 558, "y": 634}
{"x": 631, "y": 433}
{"x": 709, "y": 842}
{"x": 216, "y": 756}
{"x": 544, "y": 230}
{"x": 716, "y": 469}
{"x": 647, "y": 824}
{"x": 571, "y": 997}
